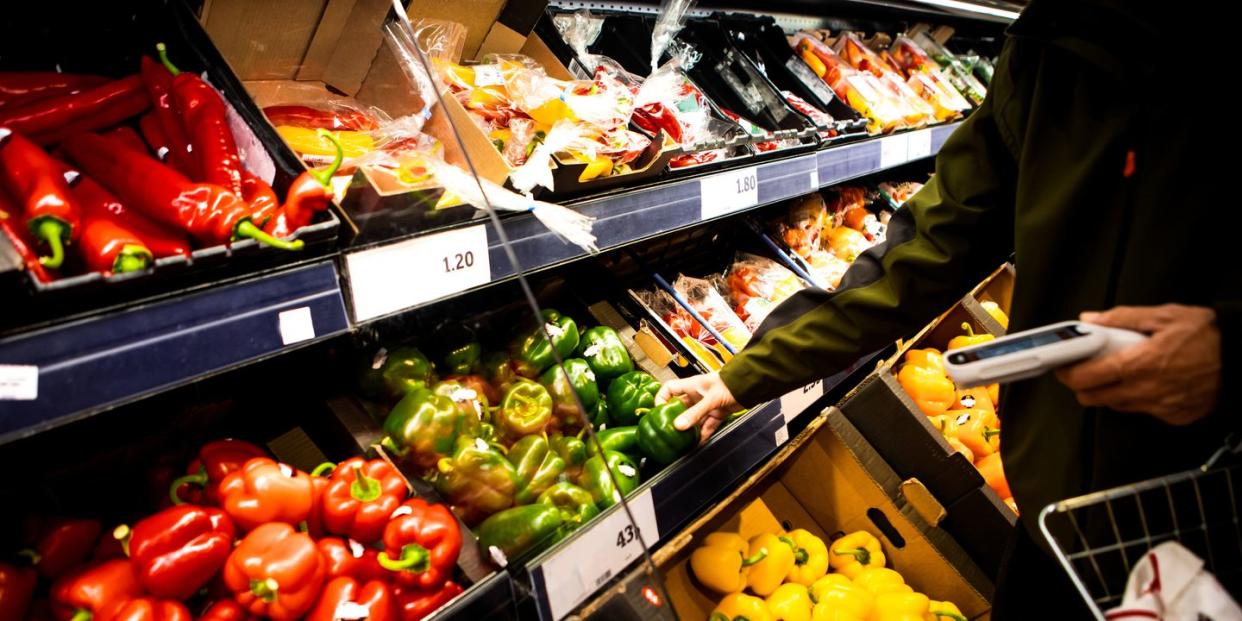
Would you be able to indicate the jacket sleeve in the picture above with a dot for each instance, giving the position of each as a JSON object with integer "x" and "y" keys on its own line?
{"x": 943, "y": 241}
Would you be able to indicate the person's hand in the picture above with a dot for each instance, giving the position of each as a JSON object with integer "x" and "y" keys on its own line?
{"x": 709, "y": 401}
{"x": 1175, "y": 375}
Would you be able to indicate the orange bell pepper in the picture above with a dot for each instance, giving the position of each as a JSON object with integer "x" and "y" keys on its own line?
{"x": 929, "y": 357}
{"x": 968, "y": 339}
{"x": 977, "y": 397}
{"x": 933, "y": 392}
{"x": 979, "y": 430}
{"x": 994, "y": 474}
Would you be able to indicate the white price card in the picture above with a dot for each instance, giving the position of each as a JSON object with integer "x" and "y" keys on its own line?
{"x": 19, "y": 382}
{"x": 918, "y": 144}
{"x": 728, "y": 192}
{"x": 296, "y": 325}
{"x": 390, "y": 278}
{"x": 781, "y": 436}
{"x": 894, "y": 150}
{"x": 815, "y": 178}
{"x": 608, "y": 547}
{"x": 796, "y": 402}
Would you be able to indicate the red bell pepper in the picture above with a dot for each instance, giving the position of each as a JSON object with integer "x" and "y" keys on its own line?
{"x": 226, "y": 610}
{"x": 351, "y": 559}
{"x": 95, "y": 592}
{"x": 309, "y": 194}
{"x": 262, "y": 198}
{"x": 108, "y": 244}
{"x": 35, "y": 182}
{"x": 18, "y": 88}
{"x": 51, "y": 120}
{"x": 275, "y": 572}
{"x": 421, "y": 543}
{"x": 127, "y": 135}
{"x": 158, "y": 82}
{"x": 209, "y": 213}
{"x": 63, "y": 545}
{"x": 17, "y": 585}
{"x": 216, "y": 459}
{"x": 360, "y": 497}
{"x": 99, "y": 204}
{"x": 415, "y": 604}
{"x": 176, "y": 551}
{"x": 112, "y": 545}
{"x": 266, "y": 491}
{"x": 204, "y": 118}
{"x": 347, "y": 598}
{"x": 152, "y": 609}
{"x": 18, "y": 239}
{"x": 314, "y": 118}
{"x": 314, "y": 521}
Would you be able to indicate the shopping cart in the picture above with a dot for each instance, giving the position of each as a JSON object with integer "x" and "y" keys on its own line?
{"x": 1099, "y": 537}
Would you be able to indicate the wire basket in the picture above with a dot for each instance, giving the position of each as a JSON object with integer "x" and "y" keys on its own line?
{"x": 1099, "y": 537}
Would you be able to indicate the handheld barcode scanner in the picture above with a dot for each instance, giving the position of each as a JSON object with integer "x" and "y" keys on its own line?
{"x": 1034, "y": 352}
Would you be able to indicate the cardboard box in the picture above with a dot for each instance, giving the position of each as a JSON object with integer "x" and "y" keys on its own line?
{"x": 996, "y": 288}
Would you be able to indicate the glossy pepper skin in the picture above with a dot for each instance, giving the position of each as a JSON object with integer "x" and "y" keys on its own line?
{"x": 36, "y": 183}
{"x": 424, "y": 427}
{"x": 99, "y": 204}
{"x": 22, "y": 87}
{"x": 595, "y": 477}
{"x": 978, "y": 429}
{"x": 968, "y": 339}
{"x": 95, "y": 592}
{"x": 603, "y": 350}
{"x": 266, "y": 491}
{"x": 350, "y": 559}
{"x": 463, "y": 359}
{"x": 769, "y": 572}
{"x": 415, "y": 604}
{"x": 314, "y": 118}
{"x": 476, "y": 480}
{"x": 152, "y": 609}
{"x": 659, "y": 440}
{"x": 50, "y": 120}
{"x": 158, "y": 82}
{"x": 500, "y": 370}
{"x": 275, "y": 572}
{"x": 176, "y": 551}
{"x": 346, "y": 596}
{"x": 215, "y": 460}
{"x": 64, "y": 545}
{"x": 879, "y": 580}
{"x": 943, "y": 611}
{"x": 932, "y": 391}
{"x": 537, "y": 466}
{"x": 17, "y": 585}
{"x": 630, "y": 396}
{"x": 526, "y": 408}
{"x": 740, "y": 607}
{"x": 576, "y": 505}
{"x": 576, "y": 378}
{"x": 309, "y": 194}
{"x": 264, "y": 205}
{"x": 790, "y": 602}
{"x": 421, "y": 544}
{"x": 202, "y": 113}
{"x": 19, "y": 238}
{"x": 620, "y": 439}
{"x": 470, "y": 400}
{"x": 810, "y": 557}
{"x": 852, "y": 553}
{"x": 993, "y": 471}
{"x": 519, "y": 529}
{"x": 837, "y": 598}
{"x": 536, "y": 350}
{"x": 359, "y": 498}
{"x": 107, "y": 245}
{"x": 403, "y": 370}
{"x": 226, "y": 610}
{"x": 571, "y": 449}
{"x": 722, "y": 562}
{"x": 900, "y": 607}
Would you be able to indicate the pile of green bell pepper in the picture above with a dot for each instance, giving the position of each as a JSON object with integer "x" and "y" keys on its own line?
{"x": 425, "y": 426}
{"x": 538, "y": 466}
{"x": 525, "y": 409}
{"x": 602, "y": 348}
{"x": 397, "y": 373}
{"x": 536, "y": 350}
{"x": 630, "y": 396}
{"x": 477, "y": 480}
{"x": 659, "y": 440}
{"x": 594, "y": 477}
{"x": 576, "y": 378}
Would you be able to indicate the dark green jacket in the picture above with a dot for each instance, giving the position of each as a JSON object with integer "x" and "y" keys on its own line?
{"x": 1038, "y": 170}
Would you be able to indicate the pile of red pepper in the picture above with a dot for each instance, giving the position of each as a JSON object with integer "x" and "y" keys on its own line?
{"x": 246, "y": 537}
{"x": 109, "y": 175}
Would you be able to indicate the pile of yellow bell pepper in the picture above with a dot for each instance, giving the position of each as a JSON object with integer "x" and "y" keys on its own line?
{"x": 788, "y": 578}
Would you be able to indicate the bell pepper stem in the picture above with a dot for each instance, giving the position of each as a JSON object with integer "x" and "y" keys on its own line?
{"x": 862, "y": 555}
{"x": 747, "y": 561}
{"x": 323, "y": 469}
{"x": 53, "y": 232}
{"x": 265, "y": 589}
{"x": 34, "y": 557}
{"x": 123, "y": 533}
{"x": 364, "y": 488}
{"x": 132, "y": 258}
{"x": 414, "y": 558}
{"x": 953, "y": 616}
{"x": 81, "y": 614}
{"x": 801, "y": 557}
{"x": 719, "y": 616}
{"x": 969, "y": 330}
{"x": 198, "y": 478}
{"x": 246, "y": 228}
{"x": 324, "y": 177}
{"x": 162, "y": 50}
{"x": 990, "y": 433}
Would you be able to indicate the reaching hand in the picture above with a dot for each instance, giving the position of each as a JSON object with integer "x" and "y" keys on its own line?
{"x": 709, "y": 401}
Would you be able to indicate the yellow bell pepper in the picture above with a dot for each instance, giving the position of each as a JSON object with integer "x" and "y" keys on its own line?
{"x": 943, "y": 611}
{"x": 970, "y": 338}
{"x": 599, "y": 166}
{"x": 994, "y": 309}
{"x": 838, "y": 599}
{"x": 854, "y": 552}
{"x": 900, "y": 607}
{"x": 552, "y": 111}
{"x": 933, "y": 392}
{"x": 770, "y": 571}
{"x": 308, "y": 141}
{"x": 721, "y": 563}
{"x": 740, "y": 607}
{"x": 810, "y": 558}
{"x": 881, "y": 580}
{"x": 790, "y": 602}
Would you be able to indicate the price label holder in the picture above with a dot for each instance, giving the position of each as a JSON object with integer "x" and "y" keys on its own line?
{"x": 398, "y": 276}
{"x": 894, "y": 150}
{"x": 728, "y": 192}
{"x": 296, "y": 325}
{"x": 796, "y": 402}
{"x": 19, "y": 382}
{"x": 599, "y": 553}
{"x": 918, "y": 144}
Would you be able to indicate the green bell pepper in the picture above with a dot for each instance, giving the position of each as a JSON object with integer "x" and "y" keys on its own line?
{"x": 620, "y": 439}
{"x": 604, "y": 351}
{"x": 630, "y": 396}
{"x": 537, "y": 465}
{"x": 576, "y": 504}
{"x": 576, "y": 377}
{"x": 600, "y": 418}
{"x": 499, "y": 370}
{"x": 525, "y": 409}
{"x": 536, "y": 351}
{"x": 472, "y": 404}
{"x": 424, "y": 427}
{"x": 476, "y": 480}
{"x": 463, "y": 359}
{"x": 571, "y": 449}
{"x": 517, "y": 530}
{"x": 595, "y": 479}
{"x": 659, "y": 440}
{"x": 397, "y": 373}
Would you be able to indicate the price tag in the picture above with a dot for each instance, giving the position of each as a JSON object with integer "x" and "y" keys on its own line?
{"x": 296, "y": 325}
{"x": 389, "y": 278}
{"x": 19, "y": 382}
{"x": 487, "y": 75}
{"x": 893, "y": 150}
{"x": 728, "y": 192}
{"x": 796, "y": 402}
{"x": 918, "y": 144}
{"x": 781, "y": 436}
{"x": 815, "y": 178}
{"x": 610, "y": 545}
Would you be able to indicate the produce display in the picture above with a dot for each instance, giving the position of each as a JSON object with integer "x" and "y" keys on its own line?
{"x": 830, "y": 233}
{"x": 886, "y": 107}
{"x": 898, "y": 192}
{"x": 796, "y": 575}
{"x": 957, "y": 71}
{"x": 923, "y": 75}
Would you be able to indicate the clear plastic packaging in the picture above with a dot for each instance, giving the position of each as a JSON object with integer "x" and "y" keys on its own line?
{"x": 698, "y": 341}
{"x": 925, "y": 77}
{"x": 755, "y": 285}
{"x": 861, "y": 90}
{"x": 898, "y": 192}
{"x": 669, "y": 21}
{"x": 712, "y": 307}
{"x": 935, "y": 56}
{"x": 915, "y": 111}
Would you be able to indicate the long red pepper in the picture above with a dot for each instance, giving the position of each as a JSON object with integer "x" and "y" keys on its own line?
{"x": 50, "y": 120}
{"x": 34, "y": 181}
{"x": 262, "y": 198}
{"x": 202, "y": 114}
{"x": 314, "y": 118}
{"x": 153, "y": 134}
{"x": 8, "y": 228}
{"x": 126, "y": 134}
{"x": 209, "y": 213}
{"x": 107, "y": 244}
{"x": 159, "y": 84}
{"x": 309, "y": 194}
{"x": 23, "y": 87}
